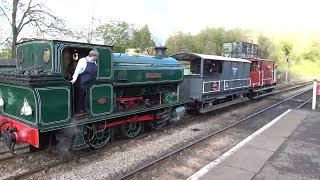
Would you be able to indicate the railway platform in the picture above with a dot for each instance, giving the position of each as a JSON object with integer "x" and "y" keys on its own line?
{"x": 286, "y": 148}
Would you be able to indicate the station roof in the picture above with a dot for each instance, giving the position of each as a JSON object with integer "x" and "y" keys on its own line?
{"x": 191, "y": 56}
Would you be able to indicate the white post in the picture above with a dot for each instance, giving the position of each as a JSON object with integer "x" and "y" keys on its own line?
{"x": 287, "y": 70}
{"x": 314, "y": 95}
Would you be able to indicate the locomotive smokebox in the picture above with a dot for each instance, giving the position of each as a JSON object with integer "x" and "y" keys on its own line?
{"x": 160, "y": 51}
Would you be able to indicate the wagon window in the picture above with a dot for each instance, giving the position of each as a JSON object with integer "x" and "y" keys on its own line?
{"x": 195, "y": 66}
{"x": 186, "y": 67}
{"x": 254, "y": 66}
{"x": 212, "y": 67}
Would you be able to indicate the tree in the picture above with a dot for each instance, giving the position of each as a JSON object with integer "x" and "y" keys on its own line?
{"x": 208, "y": 41}
{"x": 116, "y": 33}
{"x": 286, "y": 48}
{"x": 312, "y": 53}
{"x": 5, "y": 52}
{"x": 142, "y": 38}
{"x": 88, "y": 32}
{"x": 5, "y": 49}
{"x": 236, "y": 34}
{"x": 266, "y": 47}
{"x": 27, "y": 13}
{"x": 180, "y": 42}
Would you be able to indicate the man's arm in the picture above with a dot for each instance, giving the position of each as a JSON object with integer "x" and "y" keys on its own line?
{"x": 79, "y": 69}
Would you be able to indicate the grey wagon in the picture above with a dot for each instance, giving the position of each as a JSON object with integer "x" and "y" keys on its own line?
{"x": 213, "y": 80}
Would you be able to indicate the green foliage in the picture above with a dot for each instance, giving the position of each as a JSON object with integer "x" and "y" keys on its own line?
{"x": 286, "y": 47}
{"x": 208, "y": 41}
{"x": 181, "y": 42}
{"x": 5, "y": 52}
{"x": 266, "y": 46}
{"x": 301, "y": 70}
{"x": 312, "y": 53}
{"x": 116, "y": 33}
{"x": 142, "y": 38}
{"x": 123, "y": 35}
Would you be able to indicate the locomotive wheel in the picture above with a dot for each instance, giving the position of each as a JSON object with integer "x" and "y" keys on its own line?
{"x": 131, "y": 129}
{"x": 98, "y": 137}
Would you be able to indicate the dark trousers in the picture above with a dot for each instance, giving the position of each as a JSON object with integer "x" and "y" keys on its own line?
{"x": 83, "y": 97}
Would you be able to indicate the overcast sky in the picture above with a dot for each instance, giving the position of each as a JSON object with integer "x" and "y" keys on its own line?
{"x": 167, "y": 16}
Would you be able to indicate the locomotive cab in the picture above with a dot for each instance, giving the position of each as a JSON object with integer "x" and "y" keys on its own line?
{"x": 38, "y": 97}
{"x": 262, "y": 76}
{"x": 42, "y": 82}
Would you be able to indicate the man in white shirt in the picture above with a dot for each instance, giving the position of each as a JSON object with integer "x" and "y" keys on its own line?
{"x": 85, "y": 73}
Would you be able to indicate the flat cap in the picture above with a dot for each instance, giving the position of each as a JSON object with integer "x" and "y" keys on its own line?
{"x": 94, "y": 53}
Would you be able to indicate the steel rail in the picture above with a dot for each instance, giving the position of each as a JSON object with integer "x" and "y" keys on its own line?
{"x": 132, "y": 173}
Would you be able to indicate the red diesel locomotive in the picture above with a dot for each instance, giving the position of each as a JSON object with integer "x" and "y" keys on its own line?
{"x": 262, "y": 76}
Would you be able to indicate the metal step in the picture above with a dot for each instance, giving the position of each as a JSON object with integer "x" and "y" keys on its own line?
{"x": 264, "y": 88}
{"x": 264, "y": 95}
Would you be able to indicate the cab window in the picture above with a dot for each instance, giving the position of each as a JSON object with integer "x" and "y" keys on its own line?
{"x": 254, "y": 66}
{"x": 70, "y": 58}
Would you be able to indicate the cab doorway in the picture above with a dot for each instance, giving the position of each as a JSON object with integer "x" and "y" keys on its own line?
{"x": 71, "y": 57}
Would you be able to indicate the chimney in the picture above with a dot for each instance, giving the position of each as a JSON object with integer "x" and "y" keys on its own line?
{"x": 160, "y": 51}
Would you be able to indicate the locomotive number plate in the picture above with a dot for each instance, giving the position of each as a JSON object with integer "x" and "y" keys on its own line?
{"x": 215, "y": 86}
{"x": 153, "y": 75}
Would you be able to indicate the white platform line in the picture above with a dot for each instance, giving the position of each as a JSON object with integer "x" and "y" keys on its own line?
{"x": 220, "y": 159}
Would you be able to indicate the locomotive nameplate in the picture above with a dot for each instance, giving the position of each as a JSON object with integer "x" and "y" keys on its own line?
{"x": 153, "y": 75}
{"x": 211, "y": 86}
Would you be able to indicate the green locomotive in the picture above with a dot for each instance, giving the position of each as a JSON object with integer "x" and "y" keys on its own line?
{"x": 38, "y": 104}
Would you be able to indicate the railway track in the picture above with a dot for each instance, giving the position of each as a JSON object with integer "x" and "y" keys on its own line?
{"x": 19, "y": 153}
{"x": 75, "y": 156}
{"x": 81, "y": 154}
{"x": 301, "y": 106}
{"x": 16, "y": 149}
{"x": 284, "y": 88}
{"x": 140, "y": 169}
{"x": 6, "y": 158}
